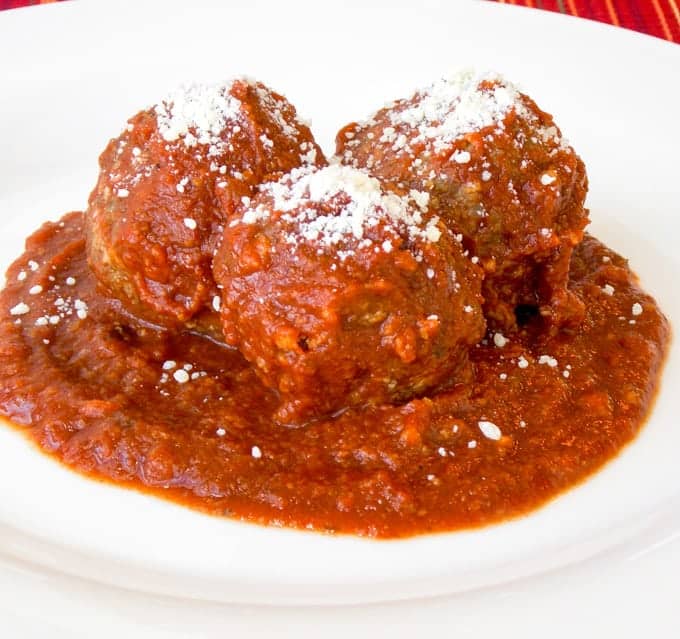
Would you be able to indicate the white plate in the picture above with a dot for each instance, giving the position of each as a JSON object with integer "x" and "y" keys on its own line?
{"x": 77, "y": 555}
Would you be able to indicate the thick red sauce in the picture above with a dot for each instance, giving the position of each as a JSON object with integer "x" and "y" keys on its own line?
{"x": 87, "y": 384}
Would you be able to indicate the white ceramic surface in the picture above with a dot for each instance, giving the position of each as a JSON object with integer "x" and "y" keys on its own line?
{"x": 76, "y": 555}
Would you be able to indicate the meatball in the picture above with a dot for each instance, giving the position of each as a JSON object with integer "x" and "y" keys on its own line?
{"x": 342, "y": 294}
{"x": 170, "y": 181}
{"x": 497, "y": 171}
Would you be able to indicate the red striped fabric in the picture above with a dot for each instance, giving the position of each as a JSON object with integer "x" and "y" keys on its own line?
{"x": 660, "y": 18}
{"x": 15, "y": 4}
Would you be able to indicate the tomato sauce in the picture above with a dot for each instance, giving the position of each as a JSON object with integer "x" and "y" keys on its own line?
{"x": 185, "y": 417}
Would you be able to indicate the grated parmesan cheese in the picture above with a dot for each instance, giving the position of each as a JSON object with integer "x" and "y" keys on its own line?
{"x": 20, "y": 309}
{"x": 359, "y": 202}
{"x": 198, "y": 114}
{"x": 500, "y": 340}
{"x": 461, "y": 157}
{"x": 181, "y": 376}
{"x": 489, "y": 430}
{"x": 547, "y": 359}
{"x": 462, "y": 103}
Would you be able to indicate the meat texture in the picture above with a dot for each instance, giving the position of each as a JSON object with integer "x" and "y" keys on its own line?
{"x": 497, "y": 171}
{"x": 168, "y": 184}
{"x": 341, "y": 293}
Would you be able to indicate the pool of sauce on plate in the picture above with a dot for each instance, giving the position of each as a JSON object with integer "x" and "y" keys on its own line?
{"x": 183, "y": 417}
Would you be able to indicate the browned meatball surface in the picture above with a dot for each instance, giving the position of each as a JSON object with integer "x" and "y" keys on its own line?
{"x": 341, "y": 293}
{"x": 497, "y": 170}
{"x": 169, "y": 182}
